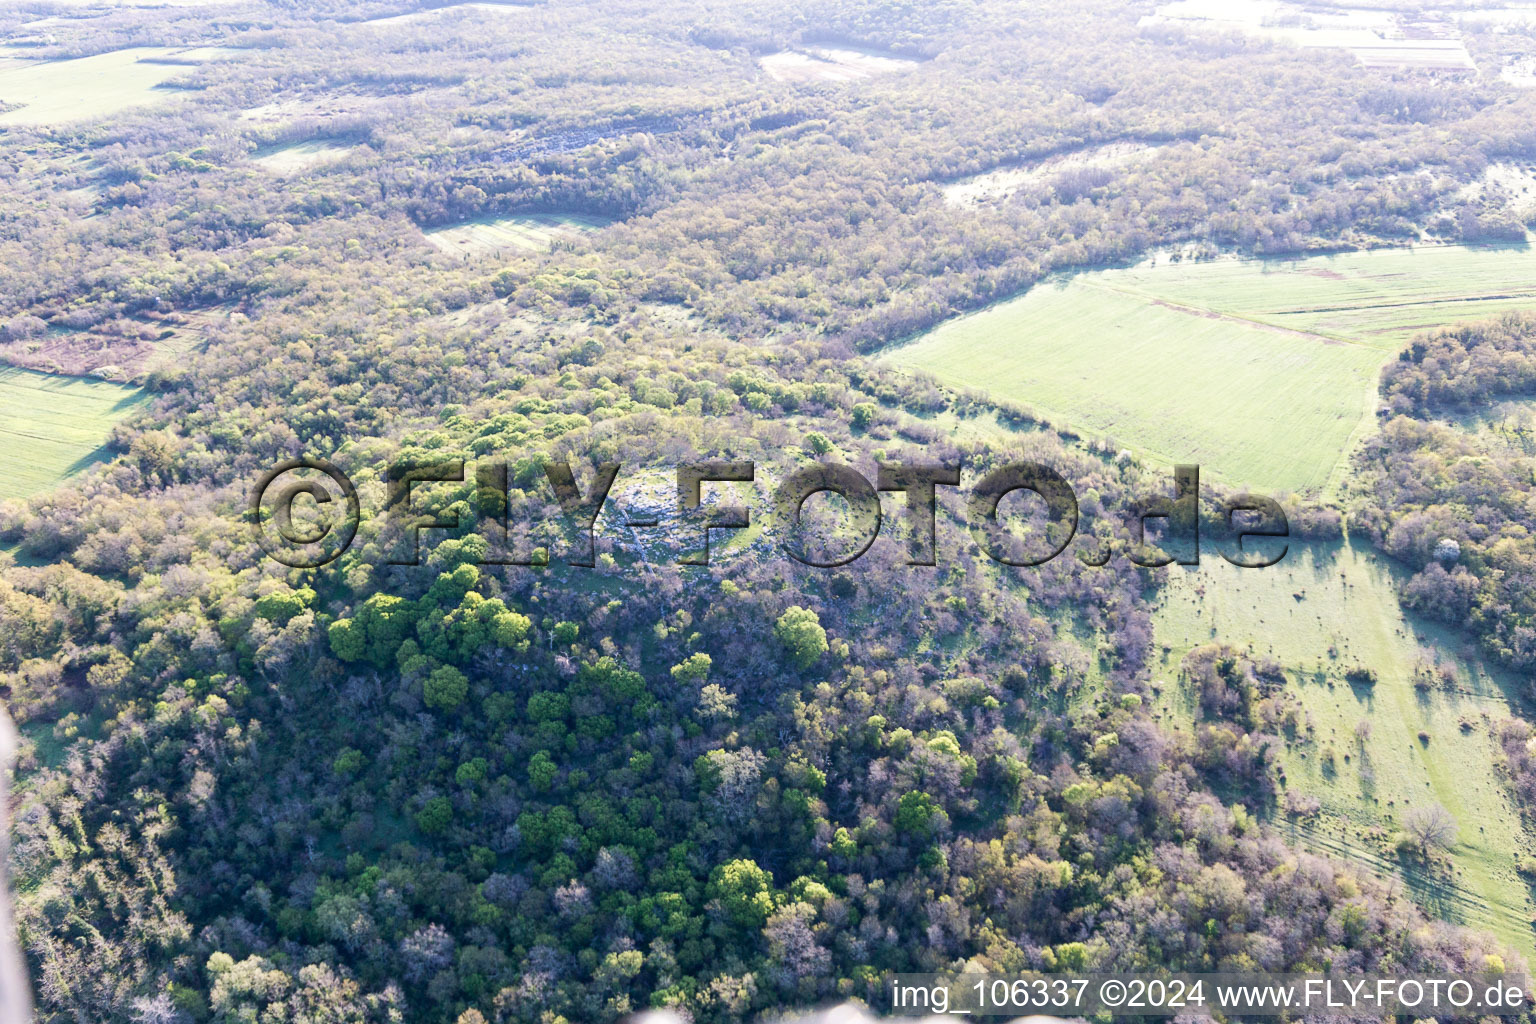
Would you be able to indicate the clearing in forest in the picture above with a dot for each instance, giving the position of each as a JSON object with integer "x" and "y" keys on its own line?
{"x": 1321, "y": 610}
{"x": 527, "y": 232}
{"x": 58, "y": 91}
{"x": 293, "y": 157}
{"x": 1505, "y": 185}
{"x": 54, "y": 427}
{"x": 119, "y": 350}
{"x": 831, "y": 64}
{"x": 1262, "y": 371}
{"x": 995, "y": 185}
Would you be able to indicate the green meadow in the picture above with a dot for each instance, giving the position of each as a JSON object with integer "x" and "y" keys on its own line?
{"x": 534, "y": 232}
{"x": 53, "y": 427}
{"x": 1262, "y": 371}
{"x": 1321, "y": 610}
{"x": 1381, "y": 298}
{"x": 58, "y": 91}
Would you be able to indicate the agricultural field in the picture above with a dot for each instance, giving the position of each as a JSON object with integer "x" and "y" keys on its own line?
{"x": 1321, "y": 610}
{"x": 1262, "y": 371}
{"x": 1378, "y": 38}
{"x": 831, "y": 64}
{"x": 54, "y": 427}
{"x": 529, "y": 232}
{"x": 1184, "y": 386}
{"x": 297, "y": 157}
{"x": 1423, "y": 54}
{"x": 57, "y": 91}
{"x": 1381, "y": 298}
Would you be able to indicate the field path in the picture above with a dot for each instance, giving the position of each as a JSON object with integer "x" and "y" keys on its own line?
{"x": 1216, "y": 314}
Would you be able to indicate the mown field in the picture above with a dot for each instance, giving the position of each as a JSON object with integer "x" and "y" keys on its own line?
{"x": 53, "y": 427}
{"x": 1380, "y": 298}
{"x": 533, "y": 232}
{"x": 58, "y": 91}
{"x": 1262, "y": 371}
{"x": 1339, "y": 598}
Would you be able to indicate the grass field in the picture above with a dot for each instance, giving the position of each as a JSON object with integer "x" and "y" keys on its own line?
{"x": 534, "y": 232}
{"x": 54, "y": 427}
{"x": 57, "y": 91}
{"x": 1381, "y": 298}
{"x": 1262, "y": 371}
{"x": 1348, "y": 604}
{"x": 301, "y": 156}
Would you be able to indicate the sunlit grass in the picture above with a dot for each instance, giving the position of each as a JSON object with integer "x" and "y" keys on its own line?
{"x": 52, "y": 427}
{"x": 1264, "y": 372}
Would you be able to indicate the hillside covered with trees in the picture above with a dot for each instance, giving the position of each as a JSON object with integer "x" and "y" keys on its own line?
{"x": 467, "y": 793}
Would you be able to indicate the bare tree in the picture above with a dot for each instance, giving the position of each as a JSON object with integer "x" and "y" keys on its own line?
{"x": 1431, "y": 827}
{"x": 158, "y": 1009}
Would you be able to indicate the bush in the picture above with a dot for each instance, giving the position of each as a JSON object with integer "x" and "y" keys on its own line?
{"x": 1359, "y": 675}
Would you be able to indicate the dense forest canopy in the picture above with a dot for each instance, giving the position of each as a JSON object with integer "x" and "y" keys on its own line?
{"x": 472, "y": 793}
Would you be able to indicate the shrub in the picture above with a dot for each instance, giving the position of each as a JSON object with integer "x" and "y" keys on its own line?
{"x": 1359, "y": 675}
